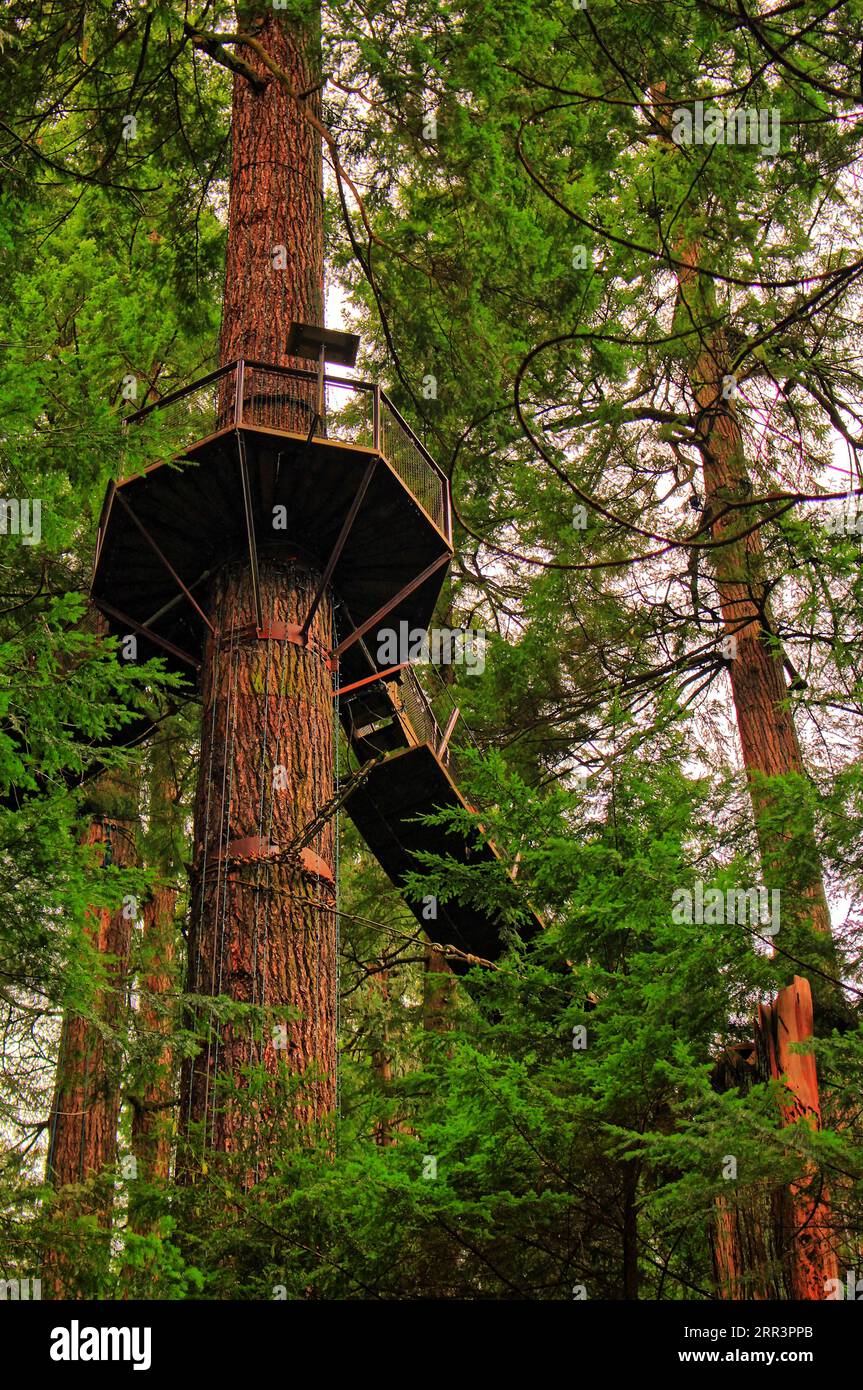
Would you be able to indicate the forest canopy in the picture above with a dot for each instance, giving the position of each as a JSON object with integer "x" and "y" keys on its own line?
{"x": 604, "y": 263}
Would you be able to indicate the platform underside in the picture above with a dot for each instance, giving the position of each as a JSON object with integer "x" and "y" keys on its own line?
{"x": 384, "y": 808}
{"x": 193, "y": 509}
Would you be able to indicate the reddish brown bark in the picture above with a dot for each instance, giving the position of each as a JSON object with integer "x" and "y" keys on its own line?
{"x": 807, "y": 1226}
{"x": 85, "y": 1110}
{"x": 86, "y": 1105}
{"x": 779, "y": 1243}
{"x": 380, "y": 1051}
{"x": 439, "y": 985}
{"x": 153, "y": 1116}
{"x": 276, "y": 201}
{"x": 263, "y": 930}
{"x": 768, "y": 737}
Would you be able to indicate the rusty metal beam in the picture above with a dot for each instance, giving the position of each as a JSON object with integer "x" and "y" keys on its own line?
{"x": 165, "y": 561}
{"x": 122, "y": 617}
{"x": 388, "y": 607}
{"x": 250, "y": 528}
{"x": 178, "y": 598}
{"x": 367, "y": 680}
{"x": 453, "y": 720}
{"x": 340, "y": 544}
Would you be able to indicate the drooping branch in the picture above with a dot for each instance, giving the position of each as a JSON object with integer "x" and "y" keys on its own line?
{"x": 211, "y": 45}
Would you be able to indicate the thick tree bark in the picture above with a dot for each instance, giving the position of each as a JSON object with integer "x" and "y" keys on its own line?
{"x": 263, "y": 927}
{"x": 775, "y": 1243}
{"x": 807, "y": 1227}
{"x": 274, "y": 269}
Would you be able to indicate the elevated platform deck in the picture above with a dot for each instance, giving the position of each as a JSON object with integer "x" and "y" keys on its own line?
{"x": 371, "y": 511}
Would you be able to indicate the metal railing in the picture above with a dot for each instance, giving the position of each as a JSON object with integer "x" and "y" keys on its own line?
{"x": 286, "y": 399}
{"x": 437, "y": 721}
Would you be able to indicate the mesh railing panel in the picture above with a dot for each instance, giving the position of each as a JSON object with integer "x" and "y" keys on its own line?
{"x": 275, "y": 400}
{"x": 418, "y": 709}
{"x": 403, "y": 451}
{"x": 167, "y": 428}
{"x": 430, "y": 717}
{"x": 284, "y": 398}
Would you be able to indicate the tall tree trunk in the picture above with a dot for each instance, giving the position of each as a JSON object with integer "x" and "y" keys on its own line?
{"x": 86, "y": 1106}
{"x": 809, "y": 1243}
{"x": 274, "y": 267}
{"x": 629, "y": 1202}
{"x": 263, "y": 929}
{"x": 382, "y": 1065}
{"x": 768, "y": 737}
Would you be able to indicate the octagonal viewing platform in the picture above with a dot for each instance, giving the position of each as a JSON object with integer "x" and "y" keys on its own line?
{"x": 253, "y": 455}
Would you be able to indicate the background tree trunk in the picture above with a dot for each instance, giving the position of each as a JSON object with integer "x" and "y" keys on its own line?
{"x": 439, "y": 984}
{"x": 152, "y": 1120}
{"x": 86, "y": 1105}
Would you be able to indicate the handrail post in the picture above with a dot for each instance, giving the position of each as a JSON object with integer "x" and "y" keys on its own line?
{"x": 376, "y": 417}
{"x": 239, "y": 392}
{"x": 453, "y": 720}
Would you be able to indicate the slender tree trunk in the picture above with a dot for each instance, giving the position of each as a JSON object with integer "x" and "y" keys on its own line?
{"x": 263, "y": 928}
{"x": 85, "y": 1110}
{"x": 153, "y": 1099}
{"x": 630, "y": 1230}
{"x": 153, "y": 1118}
{"x": 86, "y": 1105}
{"x": 380, "y": 1052}
{"x": 768, "y": 737}
{"x": 439, "y": 984}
